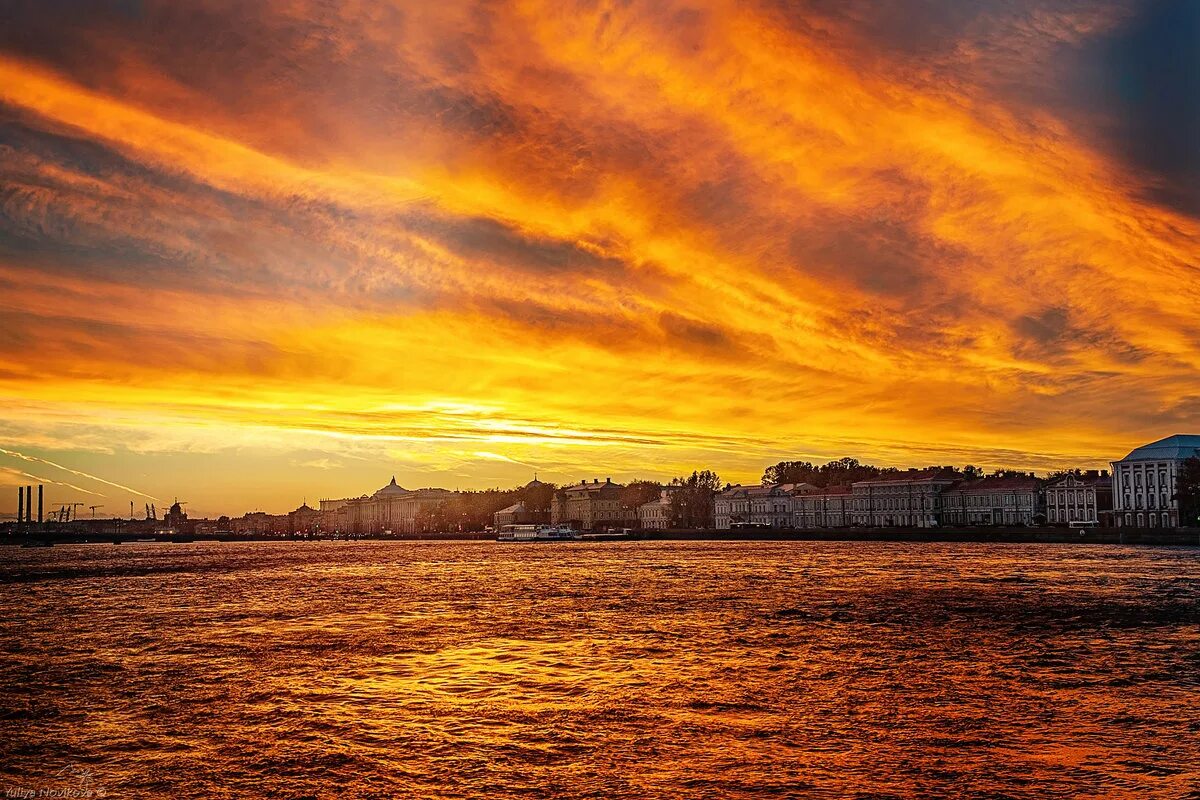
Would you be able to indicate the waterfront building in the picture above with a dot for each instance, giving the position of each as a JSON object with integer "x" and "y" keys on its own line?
{"x": 259, "y": 523}
{"x": 390, "y": 509}
{"x": 1086, "y": 498}
{"x": 773, "y": 505}
{"x": 998, "y": 500}
{"x": 516, "y": 514}
{"x": 1144, "y": 482}
{"x": 769, "y": 505}
{"x": 911, "y": 498}
{"x": 730, "y": 506}
{"x": 827, "y": 507}
{"x": 656, "y": 514}
{"x": 304, "y": 520}
{"x": 589, "y": 505}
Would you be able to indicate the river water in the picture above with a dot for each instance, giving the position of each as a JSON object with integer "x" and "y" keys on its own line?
{"x": 608, "y": 670}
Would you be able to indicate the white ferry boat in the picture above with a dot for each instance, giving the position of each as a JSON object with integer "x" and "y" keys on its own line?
{"x": 538, "y": 533}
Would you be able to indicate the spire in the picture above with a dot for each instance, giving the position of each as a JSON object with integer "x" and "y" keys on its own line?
{"x": 393, "y": 480}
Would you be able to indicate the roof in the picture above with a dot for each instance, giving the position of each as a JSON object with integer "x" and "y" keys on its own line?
{"x": 661, "y": 500}
{"x": 913, "y": 475}
{"x": 819, "y": 491}
{"x": 1179, "y": 447}
{"x": 391, "y": 489}
{"x": 595, "y": 486}
{"x": 995, "y": 484}
{"x": 1090, "y": 478}
{"x": 515, "y": 508}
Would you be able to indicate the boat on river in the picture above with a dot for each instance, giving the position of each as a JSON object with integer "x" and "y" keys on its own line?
{"x": 538, "y": 533}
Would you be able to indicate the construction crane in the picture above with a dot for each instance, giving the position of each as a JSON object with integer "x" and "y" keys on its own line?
{"x": 71, "y": 512}
{"x": 151, "y": 511}
{"x": 93, "y": 508}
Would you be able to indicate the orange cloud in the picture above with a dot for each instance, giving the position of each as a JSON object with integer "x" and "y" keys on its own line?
{"x": 657, "y": 234}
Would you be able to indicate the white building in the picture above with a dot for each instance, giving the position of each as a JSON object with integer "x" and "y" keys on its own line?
{"x": 1144, "y": 482}
{"x": 828, "y": 507}
{"x": 1082, "y": 499}
{"x": 391, "y": 508}
{"x": 731, "y": 505}
{"x": 656, "y": 515}
{"x": 903, "y": 499}
{"x": 996, "y": 500}
{"x": 770, "y": 505}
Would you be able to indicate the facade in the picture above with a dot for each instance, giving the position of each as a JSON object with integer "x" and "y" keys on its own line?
{"x": 1144, "y": 482}
{"x": 1085, "y": 499}
{"x": 1012, "y": 500}
{"x": 304, "y": 520}
{"x": 828, "y": 507}
{"x": 517, "y": 514}
{"x": 770, "y": 505}
{"x": 656, "y": 515}
{"x": 259, "y": 523}
{"x": 390, "y": 509}
{"x": 912, "y": 498}
{"x": 730, "y": 506}
{"x": 589, "y": 505}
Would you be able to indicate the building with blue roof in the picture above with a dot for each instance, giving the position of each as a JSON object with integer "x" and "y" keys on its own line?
{"x": 1144, "y": 482}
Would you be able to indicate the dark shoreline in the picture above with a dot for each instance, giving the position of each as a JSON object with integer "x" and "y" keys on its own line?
{"x": 1127, "y": 536}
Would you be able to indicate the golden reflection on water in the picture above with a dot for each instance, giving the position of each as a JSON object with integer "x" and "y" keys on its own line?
{"x": 604, "y": 670}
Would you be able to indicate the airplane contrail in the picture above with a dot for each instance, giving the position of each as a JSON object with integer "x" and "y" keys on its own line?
{"x": 37, "y": 459}
{"x": 51, "y": 481}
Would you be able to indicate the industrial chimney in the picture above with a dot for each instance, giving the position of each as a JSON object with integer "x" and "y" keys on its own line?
{"x": 40, "y": 487}
{"x": 20, "y": 504}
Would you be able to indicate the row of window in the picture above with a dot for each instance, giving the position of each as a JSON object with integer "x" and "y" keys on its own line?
{"x": 1137, "y": 478}
{"x": 1147, "y": 501}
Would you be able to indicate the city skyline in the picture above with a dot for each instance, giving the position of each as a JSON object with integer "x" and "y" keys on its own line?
{"x": 462, "y": 243}
{"x": 142, "y": 505}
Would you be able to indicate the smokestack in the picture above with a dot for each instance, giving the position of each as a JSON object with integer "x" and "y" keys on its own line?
{"x": 20, "y": 504}
{"x": 29, "y": 504}
{"x": 40, "y": 487}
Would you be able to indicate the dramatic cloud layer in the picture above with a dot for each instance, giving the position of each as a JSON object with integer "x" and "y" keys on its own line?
{"x": 262, "y": 249}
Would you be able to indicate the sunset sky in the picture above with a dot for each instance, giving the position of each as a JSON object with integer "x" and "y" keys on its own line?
{"x": 257, "y": 252}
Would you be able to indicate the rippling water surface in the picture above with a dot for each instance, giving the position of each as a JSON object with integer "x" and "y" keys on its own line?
{"x": 652, "y": 669}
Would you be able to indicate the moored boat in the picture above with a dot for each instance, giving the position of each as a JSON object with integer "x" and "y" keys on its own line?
{"x": 538, "y": 533}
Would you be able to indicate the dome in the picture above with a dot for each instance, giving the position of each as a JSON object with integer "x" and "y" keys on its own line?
{"x": 391, "y": 489}
{"x": 1173, "y": 448}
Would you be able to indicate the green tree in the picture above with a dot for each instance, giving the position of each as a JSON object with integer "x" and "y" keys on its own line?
{"x": 1187, "y": 492}
{"x": 845, "y": 471}
{"x": 790, "y": 472}
{"x": 972, "y": 472}
{"x": 637, "y": 493}
{"x": 692, "y": 499}
{"x": 537, "y": 497}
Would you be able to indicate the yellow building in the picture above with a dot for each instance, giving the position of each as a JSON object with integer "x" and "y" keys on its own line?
{"x": 589, "y": 505}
